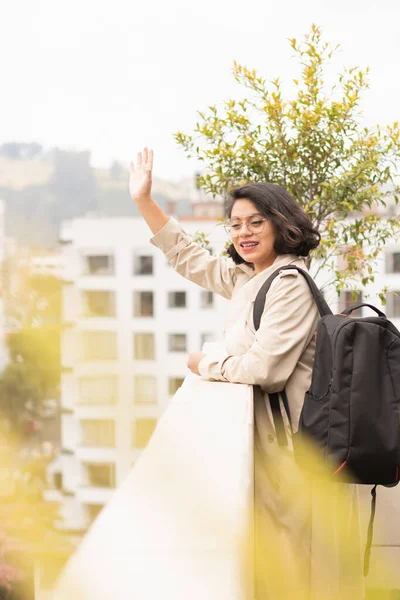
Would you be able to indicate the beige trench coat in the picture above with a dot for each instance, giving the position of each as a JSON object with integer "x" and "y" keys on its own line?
{"x": 280, "y": 354}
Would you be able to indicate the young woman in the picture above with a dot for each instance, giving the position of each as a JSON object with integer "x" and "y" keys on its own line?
{"x": 267, "y": 230}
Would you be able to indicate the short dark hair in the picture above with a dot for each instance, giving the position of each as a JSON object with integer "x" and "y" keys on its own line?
{"x": 294, "y": 231}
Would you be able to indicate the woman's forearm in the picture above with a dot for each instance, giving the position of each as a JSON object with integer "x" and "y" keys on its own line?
{"x": 152, "y": 213}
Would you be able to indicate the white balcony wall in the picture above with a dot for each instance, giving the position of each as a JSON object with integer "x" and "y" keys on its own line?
{"x": 72, "y": 473}
{"x": 70, "y": 431}
{"x": 94, "y": 495}
{"x": 73, "y": 514}
{"x": 95, "y": 412}
{"x": 70, "y": 303}
{"x": 70, "y": 347}
{"x": 96, "y": 455}
{"x": 68, "y": 390}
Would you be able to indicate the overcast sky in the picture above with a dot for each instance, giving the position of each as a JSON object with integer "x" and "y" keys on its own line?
{"x": 111, "y": 76}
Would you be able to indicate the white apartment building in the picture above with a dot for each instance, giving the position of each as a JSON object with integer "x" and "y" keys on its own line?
{"x": 387, "y": 275}
{"x": 129, "y": 323}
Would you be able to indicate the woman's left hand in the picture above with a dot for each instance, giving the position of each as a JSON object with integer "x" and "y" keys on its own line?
{"x": 193, "y": 361}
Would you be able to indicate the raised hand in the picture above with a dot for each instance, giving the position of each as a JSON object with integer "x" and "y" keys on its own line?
{"x": 141, "y": 176}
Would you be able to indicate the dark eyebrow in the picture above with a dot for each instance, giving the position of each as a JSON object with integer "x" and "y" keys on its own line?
{"x": 248, "y": 217}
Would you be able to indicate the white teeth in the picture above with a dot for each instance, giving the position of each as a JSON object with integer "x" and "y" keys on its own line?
{"x": 246, "y": 245}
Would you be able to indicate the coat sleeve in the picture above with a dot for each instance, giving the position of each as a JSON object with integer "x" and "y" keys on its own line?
{"x": 287, "y": 325}
{"x": 214, "y": 273}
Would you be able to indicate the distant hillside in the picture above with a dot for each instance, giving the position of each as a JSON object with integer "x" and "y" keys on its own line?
{"x": 40, "y": 190}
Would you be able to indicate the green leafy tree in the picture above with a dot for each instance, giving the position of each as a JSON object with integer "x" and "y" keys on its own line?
{"x": 28, "y": 522}
{"x": 341, "y": 172}
{"x": 19, "y": 388}
{"x": 201, "y": 238}
{"x": 36, "y": 302}
{"x": 27, "y": 530}
{"x": 33, "y": 374}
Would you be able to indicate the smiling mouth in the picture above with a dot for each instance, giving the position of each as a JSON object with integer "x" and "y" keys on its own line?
{"x": 248, "y": 245}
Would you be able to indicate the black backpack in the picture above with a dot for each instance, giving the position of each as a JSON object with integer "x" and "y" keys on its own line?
{"x": 352, "y": 409}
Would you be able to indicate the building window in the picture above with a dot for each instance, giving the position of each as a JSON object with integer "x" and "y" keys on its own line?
{"x": 207, "y": 337}
{"x": 206, "y": 299}
{"x": 143, "y": 304}
{"x": 143, "y": 265}
{"x": 98, "y": 303}
{"x": 393, "y": 305}
{"x": 142, "y": 432}
{"x": 100, "y": 265}
{"x": 101, "y": 475}
{"x": 393, "y": 262}
{"x": 97, "y": 391}
{"x": 176, "y": 299}
{"x": 174, "y": 383}
{"x": 99, "y": 433}
{"x": 144, "y": 347}
{"x": 346, "y": 300}
{"x": 99, "y": 345}
{"x": 177, "y": 342}
{"x": 93, "y": 511}
{"x": 58, "y": 480}
{"x": 145, "y": 389}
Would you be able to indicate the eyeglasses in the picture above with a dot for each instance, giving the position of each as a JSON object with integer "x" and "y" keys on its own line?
{"x": 254, "y": 223}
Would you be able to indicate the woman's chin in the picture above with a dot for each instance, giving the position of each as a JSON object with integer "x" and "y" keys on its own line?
{"x": 247, "y": 259}
{"x": 248, "y": 256}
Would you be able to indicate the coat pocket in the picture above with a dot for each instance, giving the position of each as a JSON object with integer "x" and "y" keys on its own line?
{"x": 314, "y": 417}
{"x": 312, "y": 435}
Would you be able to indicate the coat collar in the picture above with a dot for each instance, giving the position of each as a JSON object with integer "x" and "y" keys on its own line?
{"x": 280, "y": 261}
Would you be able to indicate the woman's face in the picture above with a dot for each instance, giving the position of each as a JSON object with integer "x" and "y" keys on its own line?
{"x": 256, "y": 248}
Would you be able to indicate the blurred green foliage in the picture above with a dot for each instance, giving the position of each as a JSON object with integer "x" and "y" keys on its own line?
{"x": 32, "y": 375}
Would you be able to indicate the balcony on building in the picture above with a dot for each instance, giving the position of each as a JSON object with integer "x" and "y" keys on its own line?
{"x": 98, "y": 483}
{"x": 98, "y": 263}
{"x": 97, "y": 440}
{"x": 97, "y": 346}
{"x": 99, "y": 303}
{"x": 393, "y": 262}
{"x": 143, "y": 303}
{"x": 94, "y": 495}
{"x": 97, "y": 396}
{"x": 143, "y": 264}
{"x": 142, "y": 430}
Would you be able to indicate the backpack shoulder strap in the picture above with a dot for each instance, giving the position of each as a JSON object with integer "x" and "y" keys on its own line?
{"x": 368, "y": 544}
{"x": 259, "y": 303}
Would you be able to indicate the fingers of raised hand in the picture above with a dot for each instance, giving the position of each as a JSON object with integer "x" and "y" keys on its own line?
{"x": 147, "y": 159}
{"x": 150, "y": 160}
{"x": 144, "y": 160}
